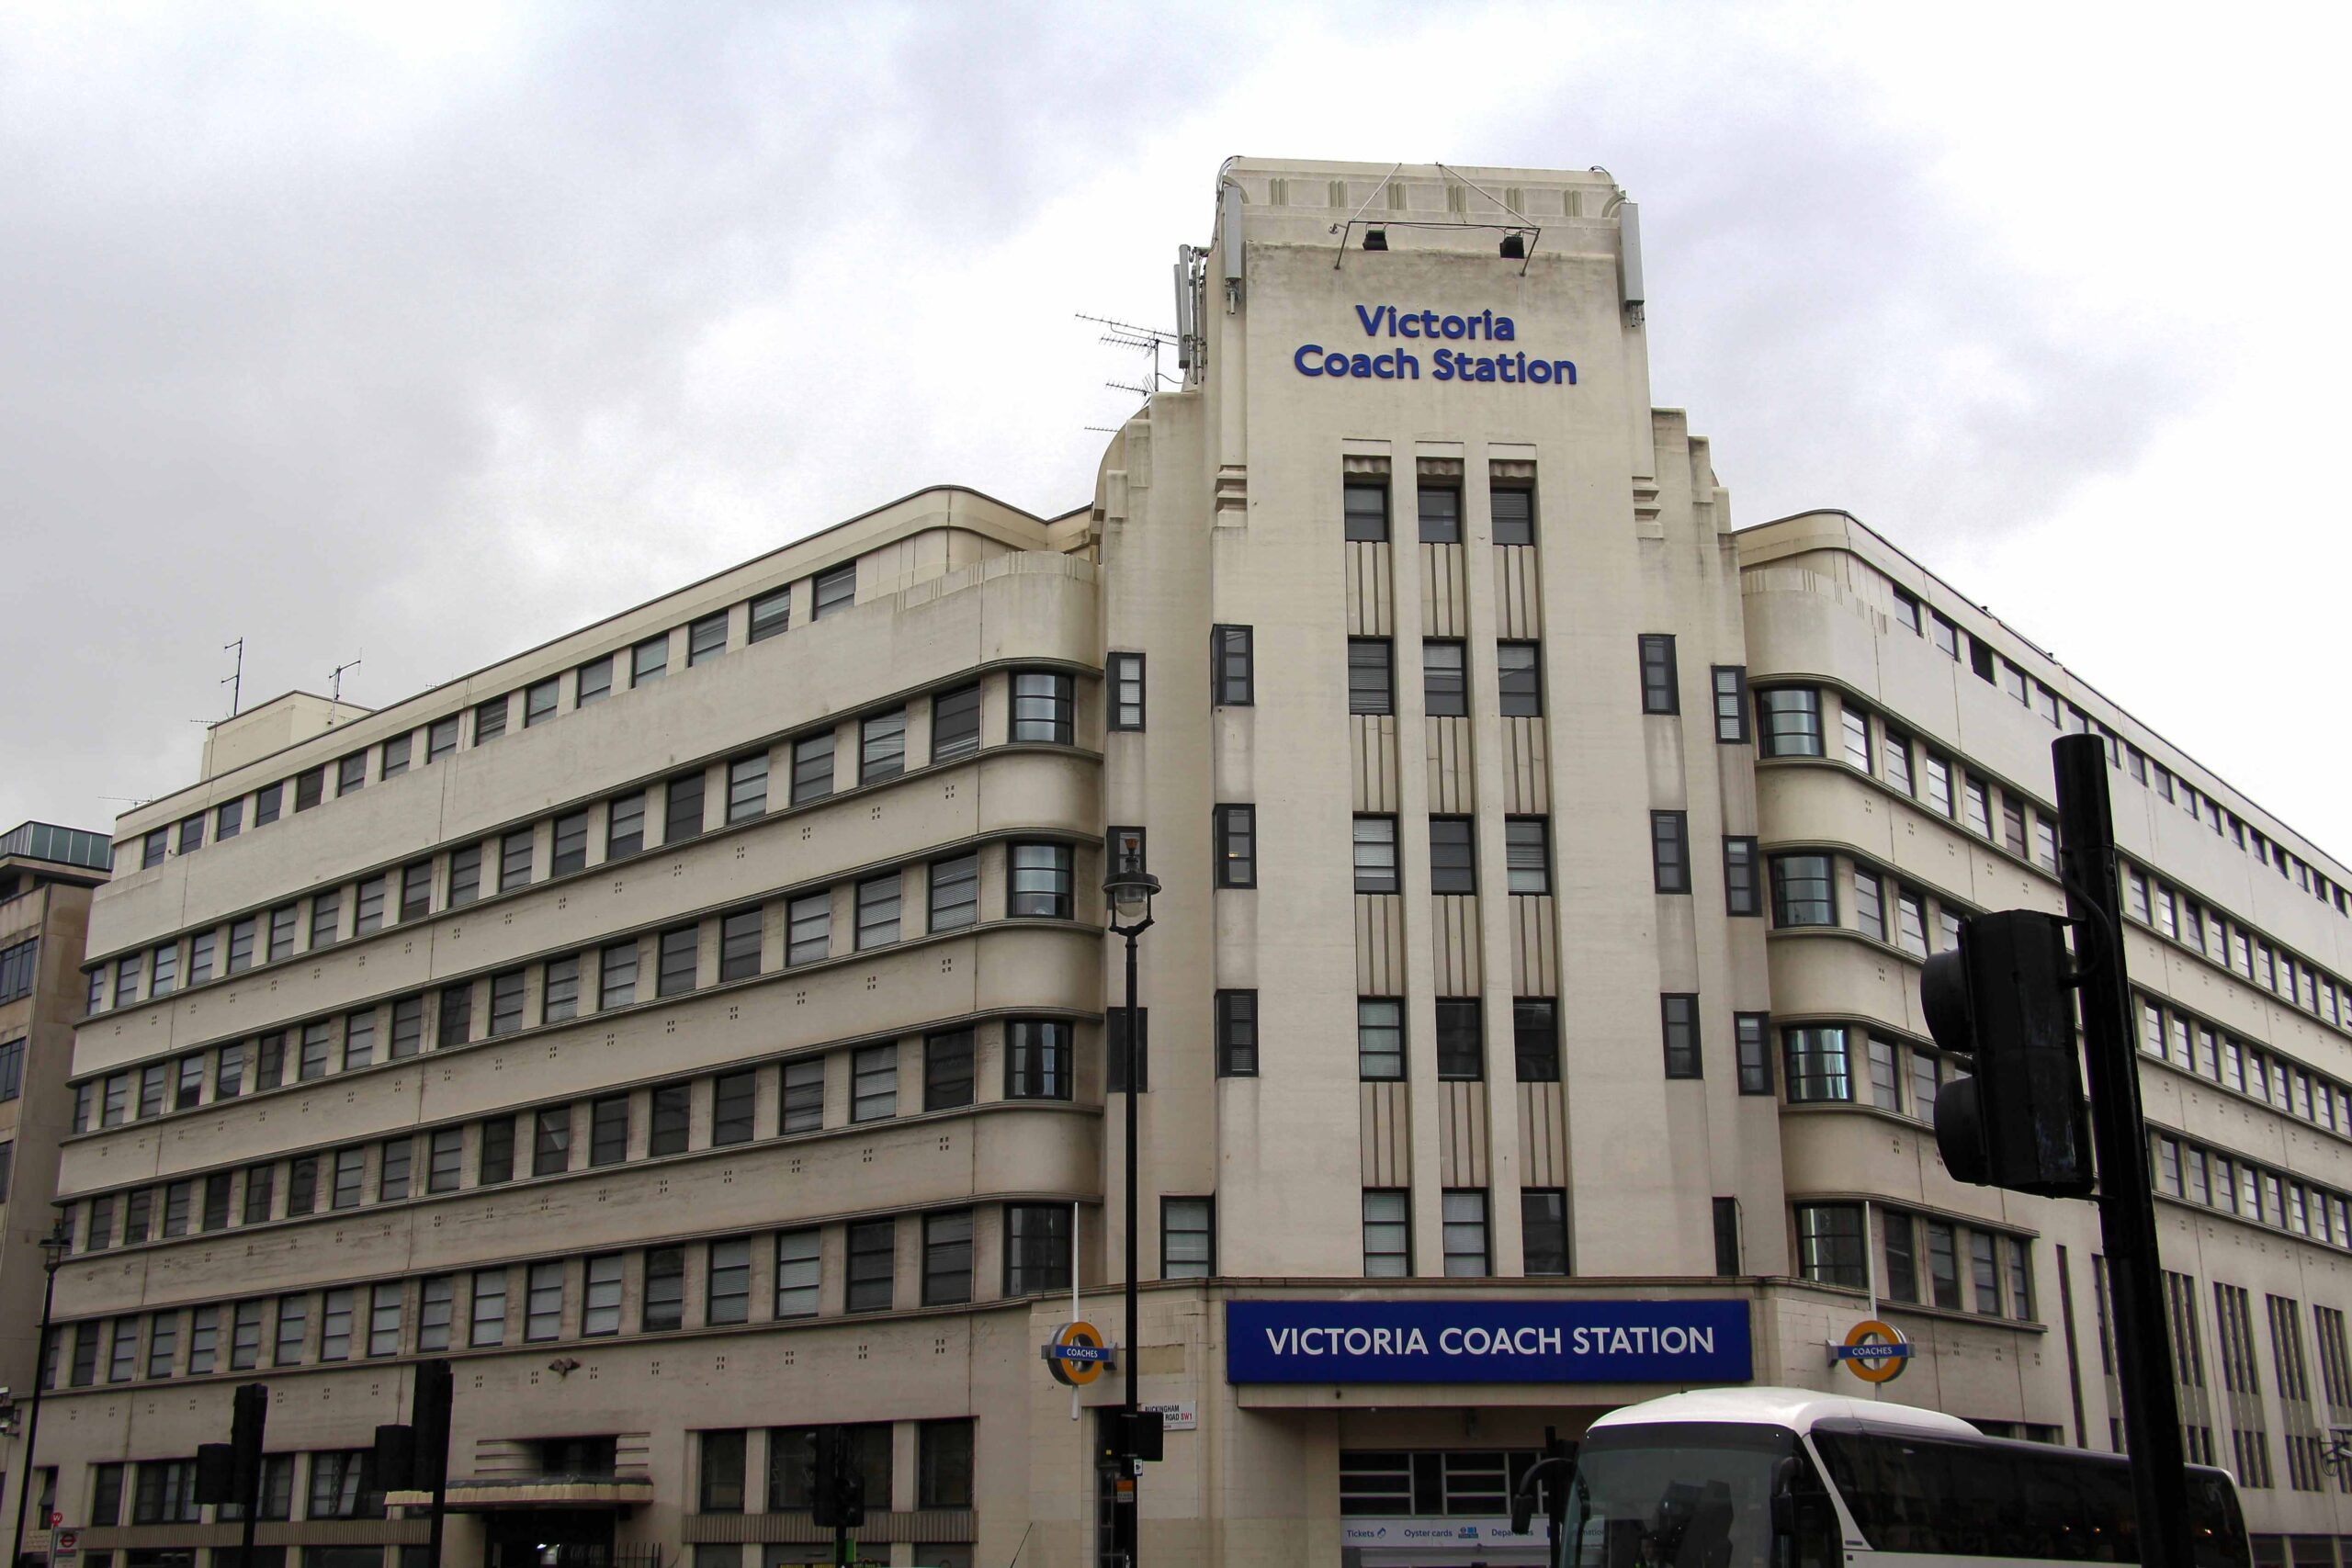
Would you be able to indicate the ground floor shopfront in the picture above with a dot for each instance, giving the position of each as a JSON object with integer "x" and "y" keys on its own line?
{"x": 1322, "y": 1424}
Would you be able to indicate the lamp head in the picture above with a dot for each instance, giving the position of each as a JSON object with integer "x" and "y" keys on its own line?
{"x": 1130, "y": 893}
{"x": 1375, "y": 238}
{"x": 56, "y": 1244}
{"x": 1514, "y": 247}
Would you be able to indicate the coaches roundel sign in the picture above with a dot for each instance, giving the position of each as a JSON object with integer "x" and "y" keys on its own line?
{"x": 1500, "y": 1341}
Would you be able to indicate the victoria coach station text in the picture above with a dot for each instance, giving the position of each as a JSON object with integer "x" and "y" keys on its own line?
{"x": 1446, "y": 364}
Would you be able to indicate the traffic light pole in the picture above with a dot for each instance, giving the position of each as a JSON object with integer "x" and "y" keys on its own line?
{"x": 2126, "y": 1201}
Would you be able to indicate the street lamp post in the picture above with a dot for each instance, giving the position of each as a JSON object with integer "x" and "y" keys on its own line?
{"x": 1129, "y": 890}
{"x": 54, "y": 1249}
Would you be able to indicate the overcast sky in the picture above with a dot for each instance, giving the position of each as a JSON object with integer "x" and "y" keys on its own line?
{"x": 419, "y": 333}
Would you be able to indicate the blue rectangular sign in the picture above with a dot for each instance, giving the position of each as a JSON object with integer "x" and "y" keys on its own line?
{"x": 1488, "y": 1341}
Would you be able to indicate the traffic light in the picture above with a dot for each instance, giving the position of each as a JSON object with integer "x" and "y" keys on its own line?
{"x": 249, "y": 1418}
{"x": 1145, "y": 1439}
{"x": 395, "y": 1456}
{"x": 216, "y": 1473}
{"x": 2005, "y": 998}
{"x": 836, "y": 1490}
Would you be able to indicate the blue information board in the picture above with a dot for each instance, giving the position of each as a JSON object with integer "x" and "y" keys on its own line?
{"x": 1488, "y": 1341}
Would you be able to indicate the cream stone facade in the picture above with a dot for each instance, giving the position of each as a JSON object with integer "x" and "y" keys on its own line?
{"x": 700, "y": 1028}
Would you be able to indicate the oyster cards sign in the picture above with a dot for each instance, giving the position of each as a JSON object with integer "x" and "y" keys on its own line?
{"x": 1499, "y": 1341}
{"x": 1481, "y": 347}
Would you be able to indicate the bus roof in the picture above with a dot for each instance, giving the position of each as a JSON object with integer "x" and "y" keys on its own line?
{"x": 1796, "y": 1408}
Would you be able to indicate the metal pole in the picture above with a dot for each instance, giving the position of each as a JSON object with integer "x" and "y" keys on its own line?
{"x": 252, "y": 1511}
{"x": 1127, "y": 1532}
{"x": 2127, "y": 1207}
{"x": 32, "y": 1417}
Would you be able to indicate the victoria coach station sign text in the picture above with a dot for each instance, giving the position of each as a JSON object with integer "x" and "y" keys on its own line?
{"x": 1503, "y": 1341}
{"x": 1399, "y": 363}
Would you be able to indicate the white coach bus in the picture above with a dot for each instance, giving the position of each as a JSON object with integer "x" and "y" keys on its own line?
{"x": 1787, "y": 1478}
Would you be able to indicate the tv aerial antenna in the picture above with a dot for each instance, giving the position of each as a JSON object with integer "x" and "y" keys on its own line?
{"x": 235, "y": 680}
{"x": 1142, "y": 340}
{"x": 335, "y": 681}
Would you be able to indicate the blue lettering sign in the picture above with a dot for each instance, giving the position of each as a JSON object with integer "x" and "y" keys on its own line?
{"x": 1499, "y": 1341}
{"x": 1511, "y": 366}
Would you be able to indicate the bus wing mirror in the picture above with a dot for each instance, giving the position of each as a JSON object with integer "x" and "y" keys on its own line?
{"x": 1522, "y": 1507}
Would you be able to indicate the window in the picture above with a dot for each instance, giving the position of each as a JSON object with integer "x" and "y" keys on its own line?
{"x": 771, "y": 614}
{"x": 1741, "y": 894}
{"x": 1544, "y": 1230}
{"x": 608, "y": 1129}
{"x": 955, "y": 891}
{"x": 1535, "y": 1039}
{"x": 1237, "y": 846}
{"x": 946, "y": 1070}
{"x": 664, "y": 1305}
{"x": 1680, "y": 1014}
{"x": 1818, "y": 1067}
{"x": 489, "y": 1320}
{"x": 873, "y": 1083}
{"x": 1661, "y": 686}
{"x": 747, "y": 785}
{"x": 955, "y": 719}
{"x": 543, "y": 1302}
{"x": 1977, "y": 812}
{"x": 1040, "y": 882}
{"x": 1945, "y": 635}
{"x": 706, "y": 638}
{"x": 293, "y": 1328}
{"x": 228, "y": 819}
{"x": 1670, "y": 851}
{"x": 727, "y": 1296}
{"x": 444, "y": 1158}
{"x": 1037, "y": 1059}
{"x": 675, "y": 962}
{"x": 1123, "y": 680}
{"x": 812, "y": 767}
{"x": 1854, "y": 723}
{"x": 804, "y": 1096}
{"x": 1830, "y": 1245}
{"x": 268, "y": 798}
{"x": 551, "y": 1141}
{"x": 1445, "y": 689}
{"x": 1115, "y": 1055}
{"x": 1464, "y": 1213}
{"x": 947, "y": 1257}
{"x": 1519, "y": 679}
{"x": 1939, "y": 774}
{"x": 456, "y": 1017}
{"x": 1513, "y": 512}
{"x": 733, "y": 1100}
{"x": 540, "y": 701}
{"x": 1363, "y": 507}
{"x": 882, "y": 746}
{"x": 682, "y": 812}
{"x": 1790, "y": 717}
{"x": 1042, "y": 707}
{"x": 1898, "y": 761}
{"x": 1885, "y": 1075}
{"x": 1454, "y": 861}
{"x": 1387, "y": 1234}
{"x": 282, "y": 922}
{"x": 625, "y": 825}
{"x": 392, "y": 1165}
{"x": 877, "y": 910}
{"x": 1440, "y": 514}
{"x": 1527, "y": 854}
{"x": 490, "y": 723}
{"x": 1236, "y": 1034}
{"x": 1461, "y": 1040}
{"x": 1371, "y": 682}
{"x": 808, "y": 922}
{"x": 836, "y": 589}
{"x": 465, "y": 875}
{"x": 1230, "y": 678}
{"x": 1376, "y": 854}
{"x": 798, "y": 1273}
{"x": 673, "y": 1112}
{"x": 595, "y": 682}
{"x": 1910, "y": 922}
{"x": 1749, "y": 1033}
{"x": 871, "y": 1250}
{"x": 1731, "y": 704}
{"x": 1036, "y": 1247}
{"x": 739, "y": 943}
{"x": 1380, "y": 1038}
{"x": 384, "y": 1304}
{"x": 649, "y": 660}
{"x": 1803, "y": 893}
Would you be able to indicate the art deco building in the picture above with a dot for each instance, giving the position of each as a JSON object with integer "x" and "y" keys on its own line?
{"x": 701, "y": 1028}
